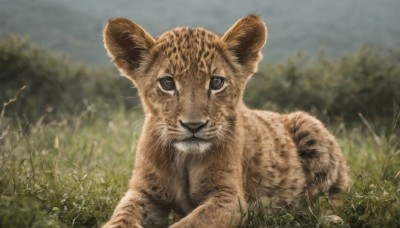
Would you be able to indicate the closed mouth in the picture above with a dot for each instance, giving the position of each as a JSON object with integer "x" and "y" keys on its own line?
{"x": 194, "y": 139}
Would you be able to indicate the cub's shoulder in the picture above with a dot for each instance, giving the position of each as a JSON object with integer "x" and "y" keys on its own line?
{"x": 261, "y": 121}
{"x": 261, "y": 114}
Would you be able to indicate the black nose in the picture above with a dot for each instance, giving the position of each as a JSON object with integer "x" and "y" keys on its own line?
{"x": 194, "y": 126}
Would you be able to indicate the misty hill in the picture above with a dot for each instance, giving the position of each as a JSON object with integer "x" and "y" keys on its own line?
{"x": 55, "y": 26}
{"x": 340, "y": 27}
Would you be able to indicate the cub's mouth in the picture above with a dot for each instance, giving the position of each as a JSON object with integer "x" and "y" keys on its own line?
{"x": 193, "y": 145}
{"x": 194, "y": 139}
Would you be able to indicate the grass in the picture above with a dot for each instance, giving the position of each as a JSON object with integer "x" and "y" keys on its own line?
{"x": 72, "y": 172}
{"x": 65, "y": 173}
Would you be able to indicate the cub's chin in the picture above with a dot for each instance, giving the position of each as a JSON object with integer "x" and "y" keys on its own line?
{"x": 192, "y": 146}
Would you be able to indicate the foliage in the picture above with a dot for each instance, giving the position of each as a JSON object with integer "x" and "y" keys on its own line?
{"x": 53, "y": 83}
{"x": 366, "y": 82}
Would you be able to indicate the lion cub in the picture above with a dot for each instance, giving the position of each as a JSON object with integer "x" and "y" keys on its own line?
{"x": 202, "y": 152}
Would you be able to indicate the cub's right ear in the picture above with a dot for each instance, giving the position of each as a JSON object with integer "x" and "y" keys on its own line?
{"x": 127, "y": 44}
{"x": 245, "y": 39}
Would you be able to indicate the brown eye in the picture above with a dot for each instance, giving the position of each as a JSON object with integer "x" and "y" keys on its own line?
{"x": 216, "y": 82}
{"x": 167, "y": 83}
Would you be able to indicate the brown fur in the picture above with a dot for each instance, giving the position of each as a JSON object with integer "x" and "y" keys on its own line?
{"x": 247, "y": 153}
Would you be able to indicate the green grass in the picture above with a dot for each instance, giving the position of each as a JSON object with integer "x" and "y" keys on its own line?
{"x": 72, "y": 172}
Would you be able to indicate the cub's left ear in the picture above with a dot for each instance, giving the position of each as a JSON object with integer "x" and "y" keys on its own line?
{"x": 128, "y": 44}
{"x": 245, "y": 39}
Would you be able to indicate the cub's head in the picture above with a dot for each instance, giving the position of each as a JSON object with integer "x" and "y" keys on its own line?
{"x": 190, "y": 80}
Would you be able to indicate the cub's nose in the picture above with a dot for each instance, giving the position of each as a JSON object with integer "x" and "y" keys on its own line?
{"x": 193, "y": 126}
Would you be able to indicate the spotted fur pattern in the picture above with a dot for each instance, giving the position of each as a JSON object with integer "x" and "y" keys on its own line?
{"x": 239, "y": 154}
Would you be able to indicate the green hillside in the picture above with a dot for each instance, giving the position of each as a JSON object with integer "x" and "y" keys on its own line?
{"x": 55, "y": 26}
{"x": 339, "y": 27}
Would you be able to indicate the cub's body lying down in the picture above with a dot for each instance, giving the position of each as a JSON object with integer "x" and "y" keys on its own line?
{"x": 202, "y": 152}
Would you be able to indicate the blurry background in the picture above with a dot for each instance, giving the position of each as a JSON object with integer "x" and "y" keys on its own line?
{"x": 339, "y": 27}
{"x": 333, "y": 58}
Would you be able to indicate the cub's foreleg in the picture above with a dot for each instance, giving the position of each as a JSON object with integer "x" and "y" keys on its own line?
{"x": 218, "y": 211}
{"x": 136, "y": 209}
{"x": 217, "y": 190}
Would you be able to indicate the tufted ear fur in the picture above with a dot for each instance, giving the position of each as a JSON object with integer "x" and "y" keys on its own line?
{"x": 127, "y": 44}
{"x": 245, "y": 39}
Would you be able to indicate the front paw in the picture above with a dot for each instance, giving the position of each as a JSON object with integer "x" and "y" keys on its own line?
{"x": 122, "y": 223}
